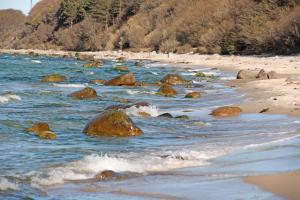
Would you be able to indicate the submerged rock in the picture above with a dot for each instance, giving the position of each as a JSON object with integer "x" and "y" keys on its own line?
{"x": 112, "y": 123}
{"x": 106, "y": 175}
{"x": 193, "y": 95}
{"x": 93, "y": 64}
{"x": 183, "y": 117}
{"x": 54, "y": 78}
{"x": 167, "y": 90}
{"x": 166, "y": 115}
{"x": 226, "y": 111}
{"x": 86, "y": 93}
{"x": 42, "y": 130}
{"x": 121, "y": 68}
{"x": 173, "y": 79}
{"x": 123, "y": 80}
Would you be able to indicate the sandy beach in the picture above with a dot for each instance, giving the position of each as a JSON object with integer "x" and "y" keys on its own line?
{"x": 275, "y": 96}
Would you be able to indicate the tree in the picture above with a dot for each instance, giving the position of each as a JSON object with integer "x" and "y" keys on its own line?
{"x": 67, "y": 13}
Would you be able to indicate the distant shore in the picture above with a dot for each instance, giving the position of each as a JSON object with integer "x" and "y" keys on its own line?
{"x": 278, "y": 96}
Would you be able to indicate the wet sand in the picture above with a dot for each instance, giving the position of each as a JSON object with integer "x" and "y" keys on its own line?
{"x": 286, "y": 184}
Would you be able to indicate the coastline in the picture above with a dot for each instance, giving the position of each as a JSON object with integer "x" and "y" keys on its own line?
{"x": 260, "y": 94}
{"x": 278, "y": 96}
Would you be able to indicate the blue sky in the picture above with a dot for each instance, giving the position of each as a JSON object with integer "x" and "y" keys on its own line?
{"x": 23, "y": 5}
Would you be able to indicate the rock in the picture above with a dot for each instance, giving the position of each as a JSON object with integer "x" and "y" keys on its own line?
{"x": 141, "y": 104}
{"x": 42, "y": 130}
{"x": 272, "y": 75}
{"x": 173, "y": 79}
{"x": 112, "y": 124}
{"x": 86, "y": 93}
{"x": 93, "y": 64}
{"x": 226, "y": 111}
{"x": 139, "y": 64}
{"x": 116, "y": 107}
{"x": 193, "y": 95}
{"x": 123, "y": 80}
{"x": 144, "y": 114}
{"x": 47, "y": 135}
{"x": 166, "y": 115}
{"x": 39, "y": 127}
{"x": 167, "y": 90}
{"x": 54, "y": 78}
{"x": 106, "y": 175}
{"x": 121, "y": 68}
{"x": 98, "y": 81}
{"x": 200, "y": 74}
{"x": 264, "y": 110}
{"x": 262, "y": 75}
{"x": 184, "y": 117}
{"x": 247, "y": 74}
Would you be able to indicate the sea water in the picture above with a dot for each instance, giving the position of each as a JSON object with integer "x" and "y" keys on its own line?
{"x": 197, "y": 158}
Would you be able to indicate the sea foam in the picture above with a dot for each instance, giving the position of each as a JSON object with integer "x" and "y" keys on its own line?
{"x": 70, "y": 85}
{"x": 135, "y": 111}
{"x": 5, "y": 98}
{"x": 6, "y": 185}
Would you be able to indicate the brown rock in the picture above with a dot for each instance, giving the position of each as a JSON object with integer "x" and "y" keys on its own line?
{"x": 106, "y": 175}
{"x": 272, "y": 75}
{"x": 123, "y": 80}
{"x": 98, "y": 81}
{"x": 121, "y": 68}
{"x": 144, "y": 114}
{"x": 262, "y": 75}
{"x": 116, "y": 107}
{"x": 193, "y": 95}
{"x": 247, "y": 74}
{"x": 47, "y": 135}
{"x": 112, "y": 124}
{"x": 226, "y": 111}
{"x": 93, "y": 64}
{"x": 54, "y": 78}
{"x": 173, "y": 79}
{"x": 39, "y": 127}
{"x": 86, "y": 93}
{"x": 167, "y": 90}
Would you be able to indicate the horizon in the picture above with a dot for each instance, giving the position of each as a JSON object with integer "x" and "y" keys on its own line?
{"x": 16, "y": 5}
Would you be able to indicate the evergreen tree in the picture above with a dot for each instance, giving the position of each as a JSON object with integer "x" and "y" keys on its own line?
{"x": 67, "y": 13}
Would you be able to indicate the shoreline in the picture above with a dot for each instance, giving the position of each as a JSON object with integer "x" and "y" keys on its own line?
{"x": 260, "y": 94}
{"x": 278, "y": 96}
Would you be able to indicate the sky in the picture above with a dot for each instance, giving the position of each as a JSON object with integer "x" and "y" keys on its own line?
{"x": 23, "y": 5}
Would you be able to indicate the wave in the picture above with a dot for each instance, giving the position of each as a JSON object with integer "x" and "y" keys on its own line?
{"x": 6, "y": 185}
{"x": 133, "y": 92}
{"x": 146, "y": 163}
{"x": 9, "y": 97}
{"x": 136, "y": 111}
{"x": 70, "y": 85}
{"x": 36, "y": 61}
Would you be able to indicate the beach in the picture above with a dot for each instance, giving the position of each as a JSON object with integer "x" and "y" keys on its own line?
{"x": 275, "y": 96}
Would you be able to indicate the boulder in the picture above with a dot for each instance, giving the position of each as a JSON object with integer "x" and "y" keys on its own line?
{"x": 98, "y": 81}
{"x": 193, "y": 95}
{"x": 93, "y": 64}
{"x": 262, "y": 75}
{"x": 106, "y": 175}
{"x": 167, "y": 90}
{"x": 112, "y": 123}
{"x": 226, "y": 111}
{"x": 173, "y": 79}
{"x": 86, "y": 93}
{"x": 54, "y": 78}
{"x": 123, "y": 80}
{"x": 42, "y": 130}
{"x": 272, "y": 75}
{"x": 247, "y": 74}
{"x": 166, "y": 115}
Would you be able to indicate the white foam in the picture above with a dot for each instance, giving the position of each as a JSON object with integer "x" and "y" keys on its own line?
{"x": 6, "y": 185}
{"x": 36, "y": 61}
{"x": 9, "y": 97}
{"x": 133, "y": 92}
{"x": 70, "y": 85}
{"x": 151, "y": 110}
{"x": 145, "y": 163}
{"x": 154, "y": 73}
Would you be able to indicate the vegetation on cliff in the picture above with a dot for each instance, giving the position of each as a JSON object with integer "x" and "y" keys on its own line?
{"x": 200, "y": 26}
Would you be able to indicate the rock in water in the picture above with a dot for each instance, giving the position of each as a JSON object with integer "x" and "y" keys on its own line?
{"x": 121, "y": 68}
{"x": 93, "y": 64}
{"x": 112, "y": 123}
{"x": 98, "y": 81}
{"x": 173, "y": 79}
{"x": 166, "y": 115}
{"x": 167, "y": 90}
{"x": 226, "y": 111}
{"x": 54, "y": 78}
{"x": 106, "y": 175}
{"x": 193, "y": 95}
{"x": 262, "y": 75}
{"x": 86, "y": 93}
{"x": 123, "y": 80}
{"x": 42, "y": 130}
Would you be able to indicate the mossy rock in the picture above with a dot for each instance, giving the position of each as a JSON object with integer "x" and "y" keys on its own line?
{"x": 167, "y": 90}
{"x": 193, "y": 95}
{"x": 86, "y": 93}
{"x": 54, "y": 78}
{"x": 121, "y": 68}
{"x": 47, "y": 135}
{"x": 174, "y": 79}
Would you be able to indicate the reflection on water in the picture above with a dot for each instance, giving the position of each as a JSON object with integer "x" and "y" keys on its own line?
{"x": 175, "y": 159}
